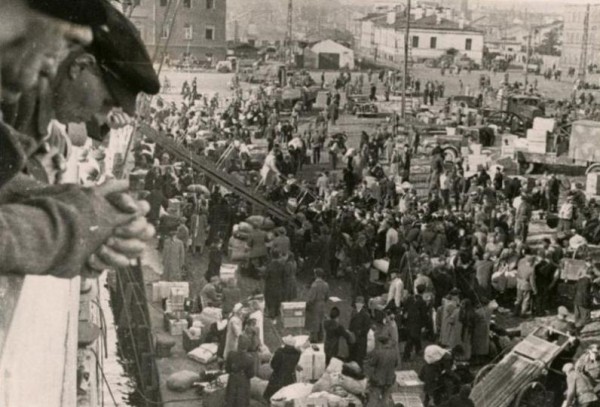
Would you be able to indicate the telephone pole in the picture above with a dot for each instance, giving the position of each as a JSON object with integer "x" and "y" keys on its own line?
{"x": 290, "y": 18}
{"x": 584, "y": 45}
{"x": 406, "y": 54}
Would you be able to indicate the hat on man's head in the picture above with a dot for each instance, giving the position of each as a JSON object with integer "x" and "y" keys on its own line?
{"x": 563, "y": 311}
{"x": 122, "y": 56}
{"x": 82, "y": 12}
{"x": 289, "y": 340}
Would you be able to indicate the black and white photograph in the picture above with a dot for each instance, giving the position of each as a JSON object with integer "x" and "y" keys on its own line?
{"x": 299, "y": 203}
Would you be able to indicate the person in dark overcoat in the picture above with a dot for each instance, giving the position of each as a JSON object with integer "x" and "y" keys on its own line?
{"x": 241, "y": 367}
{"x": 274, "y": 284}
{"x": 360, "y": 323}
{"x": 334, "y": 331}
{"x": 415, "y": 318}
{"x": 283, "y": 363}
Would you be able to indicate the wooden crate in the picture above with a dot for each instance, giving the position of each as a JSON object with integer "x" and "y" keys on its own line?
{"x": 176, "y": 326}
{"x": 406, "y": 400}
{"x": 408, "y": 383}
{"x": 293, "y": 314}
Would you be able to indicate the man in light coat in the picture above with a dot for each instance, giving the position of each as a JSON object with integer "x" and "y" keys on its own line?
{"x": 318, "y": 295}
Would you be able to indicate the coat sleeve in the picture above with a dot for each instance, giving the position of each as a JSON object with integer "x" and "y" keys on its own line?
{"x": 52, "y": 231}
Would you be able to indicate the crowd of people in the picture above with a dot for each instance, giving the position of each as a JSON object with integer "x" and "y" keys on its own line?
{"x": 440, "y": 268}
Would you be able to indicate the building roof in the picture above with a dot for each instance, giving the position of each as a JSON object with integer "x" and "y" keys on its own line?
{"x": 426, "y": 23}
{"x": 330, "y": 46}
{"x": 371, "y": 16}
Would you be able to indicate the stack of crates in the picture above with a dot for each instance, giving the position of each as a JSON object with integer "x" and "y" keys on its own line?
{"x": 409, "y": 384}
{"x": 177, "y": 298}
{"x": 293, "y": 314}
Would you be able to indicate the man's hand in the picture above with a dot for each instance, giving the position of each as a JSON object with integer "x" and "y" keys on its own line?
{"x": 128, "y": 240}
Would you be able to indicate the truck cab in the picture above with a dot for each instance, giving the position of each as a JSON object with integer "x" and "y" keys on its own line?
{"x": 526, "y": 107}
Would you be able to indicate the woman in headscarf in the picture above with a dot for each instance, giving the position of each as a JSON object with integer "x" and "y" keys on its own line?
{"x": 284, "y": 364}
{"x": 234, "y": 330}
{"x": 240, "y": 366}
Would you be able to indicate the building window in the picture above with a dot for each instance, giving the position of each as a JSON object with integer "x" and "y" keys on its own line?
{"x": 415, "y": 41}
{"x": 209, "y": 33}
{"x": 468, "y": 44}
{"x": 187, "y": 3}
{"x": 188, "y": 32}
{"x": 165, "y": 32}
{"x": 163, "y": 3}
{"x": 210, "y": 4}
{"x": 433, "y": 42}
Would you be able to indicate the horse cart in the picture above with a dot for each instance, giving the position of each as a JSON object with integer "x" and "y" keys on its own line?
{"x": 518, "y": 379}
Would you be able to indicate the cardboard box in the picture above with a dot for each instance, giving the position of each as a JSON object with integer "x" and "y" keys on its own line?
{"x": 544, "y": 124}
{"x": 406, "y": 400}
{"x": 592, "y": 184}
{"x": 162, "y": 289}
{"x": 536, "y": 135}
{"x": 293, "y": 314}
{"x": 408, "y": 383}
{"x": 228, "y": 272}
{"x": 537, "y": 147}
{"x": 313, "y": 364}
{"x": 176, "y": 326}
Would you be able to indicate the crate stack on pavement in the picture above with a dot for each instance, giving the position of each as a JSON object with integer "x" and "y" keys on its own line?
{"x": 539, "y": 137}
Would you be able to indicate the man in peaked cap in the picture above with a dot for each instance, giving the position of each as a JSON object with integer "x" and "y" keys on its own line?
{"x": 56, "y": 230}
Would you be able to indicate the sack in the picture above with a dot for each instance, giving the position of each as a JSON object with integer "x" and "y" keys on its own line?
{"x": 182, "y": 380}
{"x": 264, "y": 371}
{"x": 205, "y": 353}
{"x": 257, "y": 388}
{"x": 353, "y": 371}
{"x": 370, "y": 341}
{"x": 326, "y": 382}
{"x": 264, "y": 354}
{"x": 353, "y": 386}
{"x": 335, "y": 366}
{"x": 433, "y": 354}
{"x": 296, "y": 391}
{"x": 210, "y": 315}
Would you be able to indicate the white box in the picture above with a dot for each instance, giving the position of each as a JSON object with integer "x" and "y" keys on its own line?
{"x": 162, "y": 289}
{"x": 592, "y": 184}
{"x": 176, "y": 326}
{"x": 312, "y": 363}
{"x": 228, "y": 272}
{"x": 537, "y": 147}
{"x": 544, "y": 124}
{"x": 475, "y": 148}
{"x": 536, "y": 135}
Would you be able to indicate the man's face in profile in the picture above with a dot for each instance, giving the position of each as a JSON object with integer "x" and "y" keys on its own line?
{"x": 35, "y": 49}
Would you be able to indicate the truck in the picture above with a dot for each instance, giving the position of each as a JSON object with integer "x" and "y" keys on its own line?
{"x": 517, "y": 112}
{"x": 571, "y": 148}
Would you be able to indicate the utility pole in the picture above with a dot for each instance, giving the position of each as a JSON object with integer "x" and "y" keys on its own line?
{"x": 290, "y": 18}
{"x": 584, "y": 46}
{"x": 406, "y": 54}
{"x": 527, "y": 57}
